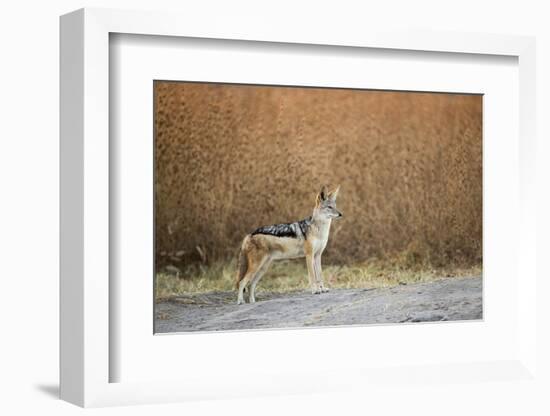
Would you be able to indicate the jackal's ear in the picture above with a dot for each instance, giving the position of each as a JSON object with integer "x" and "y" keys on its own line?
{"x": 322, "y": 195}
{"x": 334, "y": 193}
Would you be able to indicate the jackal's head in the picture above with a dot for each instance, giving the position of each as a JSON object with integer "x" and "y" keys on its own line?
{"x": 325, "y": 205}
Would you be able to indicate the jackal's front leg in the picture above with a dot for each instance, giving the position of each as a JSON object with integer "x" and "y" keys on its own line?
{"x": 319, "y": 274}
{"x": 310, "y": 261}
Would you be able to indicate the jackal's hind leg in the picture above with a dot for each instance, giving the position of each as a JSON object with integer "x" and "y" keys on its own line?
{"x": 256, "y": 279}
{"x": 256, "y": 260}
{"x": 242, "y": 287}
{"x": 244, "y": 283}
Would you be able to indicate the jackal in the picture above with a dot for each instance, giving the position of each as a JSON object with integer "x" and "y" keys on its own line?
{"x": 306, "y": 238}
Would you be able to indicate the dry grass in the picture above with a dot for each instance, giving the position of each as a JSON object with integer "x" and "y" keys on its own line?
{"x": 286, "y": 276}
{"x": 232, "y": 158}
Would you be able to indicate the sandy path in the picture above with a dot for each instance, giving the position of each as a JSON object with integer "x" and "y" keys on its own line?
{"x": 442, "y": 300}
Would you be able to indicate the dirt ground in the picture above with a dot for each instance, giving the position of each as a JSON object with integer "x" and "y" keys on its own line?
{"x": 449, "y": 299}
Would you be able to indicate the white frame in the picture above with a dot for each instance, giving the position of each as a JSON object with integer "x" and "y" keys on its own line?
{"x": 85, "y": 192}
{"x": 135, "y": 61}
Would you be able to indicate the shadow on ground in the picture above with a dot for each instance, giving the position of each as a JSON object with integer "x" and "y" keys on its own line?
{"x": 51, "y": 390}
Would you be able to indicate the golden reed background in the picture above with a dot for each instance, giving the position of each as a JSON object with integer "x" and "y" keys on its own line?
{"x": 230, "y": 158}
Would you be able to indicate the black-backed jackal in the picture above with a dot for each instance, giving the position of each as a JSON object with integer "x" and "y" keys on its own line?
{"x": 306, "y": 238}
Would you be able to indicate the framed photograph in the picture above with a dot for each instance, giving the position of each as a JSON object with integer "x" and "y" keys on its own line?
{"x": 242, "y": 214}
{"x": 408, "y": 249}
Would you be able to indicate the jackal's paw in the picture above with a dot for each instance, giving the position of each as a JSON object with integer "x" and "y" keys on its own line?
{"x": 315, "y": 291}
{"x": 324, "y": 289}
{"x": 240, "y": 301}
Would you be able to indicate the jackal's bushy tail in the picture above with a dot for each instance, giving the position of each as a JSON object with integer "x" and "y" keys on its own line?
{"x": 241, "y": 263}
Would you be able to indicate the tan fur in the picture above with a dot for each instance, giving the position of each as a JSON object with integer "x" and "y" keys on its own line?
{"x": 242, "y": 263}
{"x": 259, "y": 250}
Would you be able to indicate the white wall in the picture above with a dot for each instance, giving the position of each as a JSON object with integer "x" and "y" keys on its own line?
{"x": 29, "y": 209}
